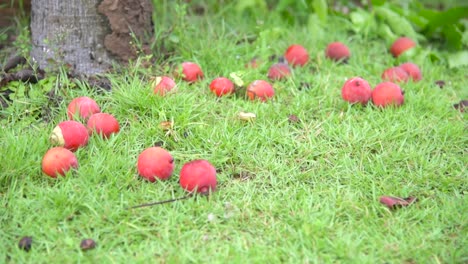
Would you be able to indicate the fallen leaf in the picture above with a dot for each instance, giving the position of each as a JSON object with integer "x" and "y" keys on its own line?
{"x": 461, "y": 105}
{"x": 25, "y": 243}
{"x": 87, "y": 244}
{"x": 166, "y": 125}
{"x": 247, "y": 116}
{"x": 393, "y": 202}
{"x": 293, "y": 119}
{"x": 440, "y": 83}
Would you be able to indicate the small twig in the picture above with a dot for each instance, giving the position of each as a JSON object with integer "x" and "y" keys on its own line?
{"x": 160, "y": 202}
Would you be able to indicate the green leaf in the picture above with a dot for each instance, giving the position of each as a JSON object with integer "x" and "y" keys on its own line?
{"x": 398, "y": 24}
{"x": 243, "y": 5}
{"x": 321, "y": 9}
{"x": 385, "y": 32}
{"x": 453, "y": 36}
{"x": 458, "y": 59}
{"x": 448, "y": 17}
{"x": 377, "y": 2}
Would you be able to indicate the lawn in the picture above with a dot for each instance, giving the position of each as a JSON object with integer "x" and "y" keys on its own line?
{"x": 298, "y": 184}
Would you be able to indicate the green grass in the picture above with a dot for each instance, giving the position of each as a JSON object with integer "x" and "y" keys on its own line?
{"x": 287, "y": 192}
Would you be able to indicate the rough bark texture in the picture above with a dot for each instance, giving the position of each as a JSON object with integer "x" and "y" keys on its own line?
{"x": 75, "y": 34}
{"x": 126, "y": 17}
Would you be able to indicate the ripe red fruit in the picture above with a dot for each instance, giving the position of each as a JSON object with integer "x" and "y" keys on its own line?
{"x": 260, "y": 90}
{"x": 155, "y": 162}
{"x": 401, "y": 45}
{"x": 412, "y": 70}
{"x": 199, "y": 176}
{"x": 103, "y": 124}
{"x": 296, "y": 55}
{"x": 70, "y": 135}
{"x": 221, "y": 86}
{"x": 395, "y": 74}
{"x": 387, "y": 93}
{"x": 191, "y": 72}
{"x": 337, "y": 51}
{"x": 82, "y": 107}
{"x": 57, "y": 161}
{"x": 163, "y": 85}
{"x": 356, "y": 90}
{"x": 279, "y": 71}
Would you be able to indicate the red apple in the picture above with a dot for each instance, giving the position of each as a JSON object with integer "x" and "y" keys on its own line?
{"x": 412, "y": 70}
{"x": 222, "y": 86}
{"x": 82, "y": 107}
{"x": 261, "y": 90}
{"x": 296, "y": 55}
{"x": 401, "y": 45}
{"x": 387, "y": 93}
{"x": 356, "y": 90}
{"x": 70, "y": 135}
{"x": 103, "y": 124}
{"x": 395, "y": 74}
{"x": 337, "y": 51}
{"x": 279, "y": 71}
{"x": 57, "y": 161}
{"x": 199, "y": 176}
{"x": 155, "y": 162}
{"x": 163, "y": 85}
{"x": 191, "y": 72}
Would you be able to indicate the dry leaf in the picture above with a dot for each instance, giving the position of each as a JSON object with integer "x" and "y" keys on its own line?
{"x": 247, "y": 116}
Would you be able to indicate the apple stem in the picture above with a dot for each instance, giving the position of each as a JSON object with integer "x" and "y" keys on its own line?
{"x": 161, "y": 202}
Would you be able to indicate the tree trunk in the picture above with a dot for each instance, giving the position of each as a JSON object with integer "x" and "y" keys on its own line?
{"x": 86, "y": 35}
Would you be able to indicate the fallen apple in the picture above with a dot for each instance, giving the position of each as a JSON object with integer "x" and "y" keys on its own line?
{"x": 356, "y": 90}
{"x": 222, "y": 86}
{"x": 296, "y": 55}
{"x": 387, "y": 93}
{"x": 261, "y": 90}
{"x": 337, "y": 51}
{"x": 395, "y": 74}
{"x": 279, "y": 71}
{"x": 58, "y": 161}
{"x": 82, "y": 108}
{"x": 155, "y": 162}
{"x": 163, "y": 85}
{"x": 191, "y": 72}
{"x": 401, "y": 45}
{"x": 70, "y": 135}
{"x": 412, "y": 70}
{"x": 103, "y": 124}
{"x": 198, "y": 176}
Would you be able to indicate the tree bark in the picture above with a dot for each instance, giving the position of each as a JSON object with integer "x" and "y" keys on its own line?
{"x": 87, "y": 36}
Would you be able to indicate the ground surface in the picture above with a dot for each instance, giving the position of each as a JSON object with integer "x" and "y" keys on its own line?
{"x": 294, "y": 190}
